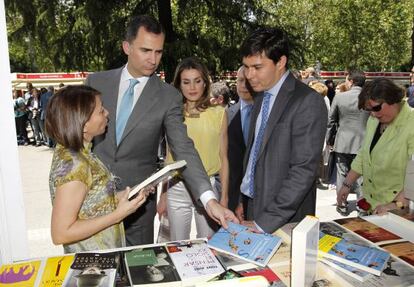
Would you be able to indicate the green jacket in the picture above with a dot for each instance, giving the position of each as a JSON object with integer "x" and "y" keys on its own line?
{"x": 384, "y": 169}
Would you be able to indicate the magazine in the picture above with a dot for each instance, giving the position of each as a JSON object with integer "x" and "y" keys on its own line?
{"x": 157, "y": 177}
{"x": 240, "y": 241}
{"x": 403, "y": 250}
{"x": 369, "y": 259}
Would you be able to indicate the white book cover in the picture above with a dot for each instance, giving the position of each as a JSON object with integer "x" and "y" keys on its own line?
{"x": 157, "y": 177}
{"x": 194, "y": 260}
{"x": 305, "y": 238}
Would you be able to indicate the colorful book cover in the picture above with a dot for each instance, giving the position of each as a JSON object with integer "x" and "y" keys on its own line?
{"x": 356, "y": 273}
{"x": 403, "y": 250}
{"x": 19, "y": 274}
{"x": 151, "y": 265}
{"x": 55, "y": 270}
{"x": 267, "y": 273}
{"x": 93, "y": 269}
{"x": 194, "y": 260}
{"x": 370, "y": 259}
{"x": 240, "y": 241}
{"x": 367, "y": 230}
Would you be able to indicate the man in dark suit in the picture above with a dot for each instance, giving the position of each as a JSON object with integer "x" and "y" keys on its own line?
{"x": 141, "y": 108}
{"x": 238, "y": 116}
{"x": 285, "y": 139}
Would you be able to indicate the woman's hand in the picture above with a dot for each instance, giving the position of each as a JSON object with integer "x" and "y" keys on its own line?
{"x": 126, "y": 207}
{"x": 239, "y": 212}
{"x": 341, "y": 198}
{"x": 162, "y": 205}
{"x": 382, "y": 209}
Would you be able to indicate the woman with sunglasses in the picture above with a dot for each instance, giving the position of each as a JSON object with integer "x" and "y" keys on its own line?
{"x": 387, "y": 147}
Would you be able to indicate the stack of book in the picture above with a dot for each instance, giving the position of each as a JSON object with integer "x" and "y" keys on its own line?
{"x": 180, "y": 263}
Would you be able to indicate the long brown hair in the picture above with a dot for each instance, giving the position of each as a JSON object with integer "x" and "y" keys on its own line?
{"x": 194, "y": 63}
{"x": 67, "y": 113}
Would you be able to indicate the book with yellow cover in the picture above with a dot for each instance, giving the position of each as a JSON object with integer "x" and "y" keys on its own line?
{"x": 20, "y": 274}
{"x": 369, "y": 259}
{"x": 55, "y": 270}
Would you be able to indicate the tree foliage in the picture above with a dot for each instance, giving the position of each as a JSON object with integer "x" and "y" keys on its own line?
{"x": 86, "y": 35}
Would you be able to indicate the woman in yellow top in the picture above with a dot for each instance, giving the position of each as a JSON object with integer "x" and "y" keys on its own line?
{"x": 86, "y": 214}
{"x": 207, "y": 127}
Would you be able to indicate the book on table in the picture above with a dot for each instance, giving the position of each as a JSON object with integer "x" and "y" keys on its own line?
{"x": 194, "y": 260}
{"x": 232, "y": 262}
{"x": 351, "y": 271}
{"x": 151, "y": 266}
{"x": 305, "y": 238}
{"x": 20, "y": 274}
{"x": 369, "y": 259}
{"x": 368, "y": 230}
{"x": 157, "y": 177}
{"x": 55, "y": 270}
{"x": 93, "y": 269}
{"x": 244, "y": 243}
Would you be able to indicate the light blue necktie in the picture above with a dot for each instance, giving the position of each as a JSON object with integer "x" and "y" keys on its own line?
{"x": 247, "y": 111}
{"x": 259, "y": 140}
{"x": 125, "y": 109}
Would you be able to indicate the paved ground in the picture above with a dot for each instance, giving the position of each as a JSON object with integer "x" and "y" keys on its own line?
{"x": 35, "y": 165}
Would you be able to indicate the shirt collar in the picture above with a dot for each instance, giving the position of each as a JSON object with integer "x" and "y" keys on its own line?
{"x": 243, "y": 103}
{"x": 126, "y": 76}
{"x": 275, "y": 89}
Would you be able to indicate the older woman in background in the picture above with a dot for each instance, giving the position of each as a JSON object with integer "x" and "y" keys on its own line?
{"x": 387, "y": 147}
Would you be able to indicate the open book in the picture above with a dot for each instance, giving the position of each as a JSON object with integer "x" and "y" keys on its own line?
{"x": 157, "y": 177}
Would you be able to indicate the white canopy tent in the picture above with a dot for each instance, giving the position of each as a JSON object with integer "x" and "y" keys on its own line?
{"x": 13, "y": 234}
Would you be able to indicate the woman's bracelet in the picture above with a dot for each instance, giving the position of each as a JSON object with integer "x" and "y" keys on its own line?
{"x": 346, "y": 184}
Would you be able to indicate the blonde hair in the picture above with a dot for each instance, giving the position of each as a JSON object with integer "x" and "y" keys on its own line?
{"x": 321, "y": 88}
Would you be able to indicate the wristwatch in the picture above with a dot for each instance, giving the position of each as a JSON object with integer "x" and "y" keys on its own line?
{"x": 399, "y": 204}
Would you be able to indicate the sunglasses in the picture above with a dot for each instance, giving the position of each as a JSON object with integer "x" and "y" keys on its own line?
{"x": 376, "y": 108}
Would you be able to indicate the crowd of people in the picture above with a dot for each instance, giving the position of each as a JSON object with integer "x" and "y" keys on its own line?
{"x": 251, "y": 159}
{"x": 30, "y": 114}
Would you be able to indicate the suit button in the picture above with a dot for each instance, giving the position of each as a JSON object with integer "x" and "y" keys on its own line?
{"x": 370, "y": 181}
{"x": 115, "y": 160}
{"x": 395, "y": 192}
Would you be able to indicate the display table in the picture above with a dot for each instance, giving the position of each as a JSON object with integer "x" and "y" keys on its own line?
{"x": 368, "y": 231}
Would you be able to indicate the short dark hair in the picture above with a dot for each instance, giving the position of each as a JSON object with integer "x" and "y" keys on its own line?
{"x": 357, "y": 77}
{"x": 148, "y": 22}
{"x": 194, "y": 63}
{"x": 380, "y": 90}
{"x": 67, "y": 113}
{"x": 272, "y": 41}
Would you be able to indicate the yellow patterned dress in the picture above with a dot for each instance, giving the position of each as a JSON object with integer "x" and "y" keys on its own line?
{"x": 100, "y": 200}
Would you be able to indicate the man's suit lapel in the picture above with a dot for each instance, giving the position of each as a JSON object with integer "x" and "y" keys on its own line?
{"x": 282, "y": 100}
{"x": 144, "y": 104}
{"x": 111, "y": 101}
{"x": 252, "y": 129}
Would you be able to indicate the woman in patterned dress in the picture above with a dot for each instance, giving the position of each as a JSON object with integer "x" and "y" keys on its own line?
{"x": 87, "y": 212}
